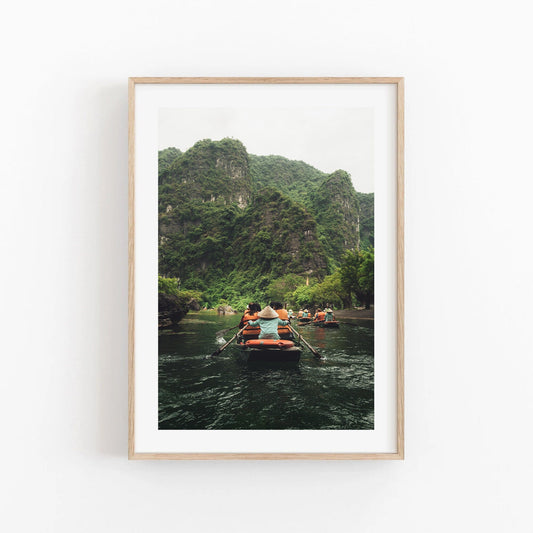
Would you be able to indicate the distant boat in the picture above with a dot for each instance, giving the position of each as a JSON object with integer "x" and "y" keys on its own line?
{"x": 328, "y": 324}
{"x": 304, "y": 320}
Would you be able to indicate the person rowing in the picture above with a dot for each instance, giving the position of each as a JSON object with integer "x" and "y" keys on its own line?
{"x": 250, "y": 314}
{"x": 283, "y": 331}
{"x": 268, "y": 320}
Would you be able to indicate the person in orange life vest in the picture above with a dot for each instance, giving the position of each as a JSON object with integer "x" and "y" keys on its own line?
{"x": 300, "y": 313}
{"x": 320, "y": 315}
{"x": 250, "y": 314}
{"x": 268, "y": 321}
{"x": 282, "y": 313}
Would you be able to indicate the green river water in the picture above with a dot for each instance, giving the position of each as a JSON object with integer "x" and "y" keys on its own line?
{"x": 198, "y": 392}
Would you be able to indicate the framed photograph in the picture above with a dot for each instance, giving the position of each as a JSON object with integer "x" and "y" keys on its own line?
{"x": 266, "y": 268}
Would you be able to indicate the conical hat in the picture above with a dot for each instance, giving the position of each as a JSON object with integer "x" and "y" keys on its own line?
{"x": 328, "y": 310}
{"x": 267, "y": 312}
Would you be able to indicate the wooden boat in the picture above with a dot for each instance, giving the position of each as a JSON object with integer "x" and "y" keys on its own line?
{"x": 329, "y": 324}
{"x": 269, "y": 351}
{"x": 304, "y": 320}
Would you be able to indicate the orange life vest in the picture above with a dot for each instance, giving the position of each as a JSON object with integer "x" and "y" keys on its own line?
{"x": 250, "y": 330}
{"x": 282, "y": 313}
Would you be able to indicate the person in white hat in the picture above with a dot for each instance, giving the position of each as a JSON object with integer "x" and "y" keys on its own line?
{"x": 329, "y": 314}
{"x": 268, "y": 321}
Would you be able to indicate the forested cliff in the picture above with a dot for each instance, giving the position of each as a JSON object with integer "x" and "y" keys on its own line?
{"x": 231, "y": 223}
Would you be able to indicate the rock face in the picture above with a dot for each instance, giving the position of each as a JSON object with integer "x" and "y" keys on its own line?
{"x": 225, "y": 310}
{"x": 294, "y": 179}
{"x": 366, "y": 227}
{"x": 339, "y": 218}
{"x": 230, "y": 223}
{"x": 283, "y": 234}
{"x": 171, "y": 310}
{"x": 194, "y": 305}
{"x": 211, "y": 171}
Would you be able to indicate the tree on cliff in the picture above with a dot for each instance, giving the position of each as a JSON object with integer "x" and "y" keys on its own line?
{"x": 331, "y": 292}
{"x": 357, "y": 275}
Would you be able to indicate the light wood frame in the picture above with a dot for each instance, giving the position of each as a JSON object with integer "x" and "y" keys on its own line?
{"x": 399, "y": 454}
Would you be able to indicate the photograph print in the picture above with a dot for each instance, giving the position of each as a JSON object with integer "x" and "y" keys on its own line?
{"x": 266, "y": 268}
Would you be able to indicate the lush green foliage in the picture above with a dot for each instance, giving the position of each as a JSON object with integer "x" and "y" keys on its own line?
{"x": 238, "y": 228}
{"x": 354, "y": 280}
{"x": 282, "y": 289}
{"x": 366, "y": 225}
{"x": 165, "y": 159}
{"x": 172, "y": 286}
{"x": 295, "y": 179}
{"x": 337, "y": 207}
{"x": 357, "y": 275}
{"x": 302, "y": 296}
{"x": 208, "y": 172}
{"x": 330, "y": 292}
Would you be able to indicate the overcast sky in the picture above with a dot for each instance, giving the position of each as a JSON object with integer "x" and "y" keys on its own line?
{"x": 326, "y": 138}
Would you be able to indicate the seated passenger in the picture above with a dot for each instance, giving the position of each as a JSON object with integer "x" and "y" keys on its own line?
{"x": 283, "y": 331}
{"x": 329, "y": 315}
{"x": 250, "y": 314}
{"x": 268, "y": 321}
{"x": 278, "y": 307}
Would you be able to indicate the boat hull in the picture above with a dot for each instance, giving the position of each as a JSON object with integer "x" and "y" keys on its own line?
{"x": 331, "y": 324}
{"x": 269, "y": 355}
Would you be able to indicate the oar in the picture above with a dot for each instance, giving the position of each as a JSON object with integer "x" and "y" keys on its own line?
{"x": 222, "y": 332}
{"x": 218, "y": 350}
{"x": 315, "y": 353}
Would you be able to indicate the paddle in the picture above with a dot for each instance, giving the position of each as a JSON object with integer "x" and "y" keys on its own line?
{"x": 218, "y": 350}
{"x": 315, "y": 353}
{"x": 222, "y": 332}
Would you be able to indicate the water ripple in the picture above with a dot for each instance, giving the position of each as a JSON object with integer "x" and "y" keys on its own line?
{"x": 336, "y": 392}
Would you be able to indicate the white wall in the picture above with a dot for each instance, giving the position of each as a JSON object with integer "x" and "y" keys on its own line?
{"x": 469, "y": 294}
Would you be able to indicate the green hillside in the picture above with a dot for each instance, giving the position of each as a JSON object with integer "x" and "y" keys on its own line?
{"x": 231, "y": 223}
{"x": 295, "y": 179}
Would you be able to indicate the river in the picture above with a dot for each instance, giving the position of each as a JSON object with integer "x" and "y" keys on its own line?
{"x": 198, "y": 392}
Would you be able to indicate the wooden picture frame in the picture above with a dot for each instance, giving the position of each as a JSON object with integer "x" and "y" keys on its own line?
{"x": 398, "y": 85}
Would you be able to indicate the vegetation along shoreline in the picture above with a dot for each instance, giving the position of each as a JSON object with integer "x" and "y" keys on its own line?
{"x": 236, "y": 227}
